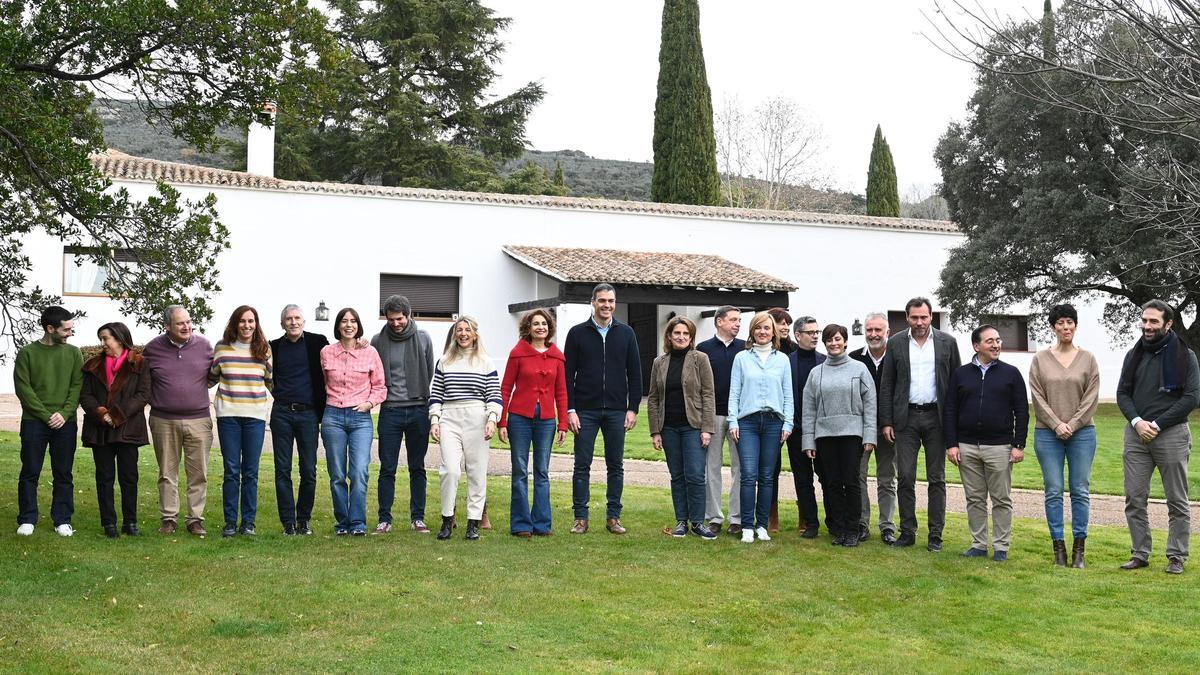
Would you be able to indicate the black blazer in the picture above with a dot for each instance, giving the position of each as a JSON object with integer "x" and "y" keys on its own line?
{"x": 313, "y": 343}
{"x": 895, "y": 379}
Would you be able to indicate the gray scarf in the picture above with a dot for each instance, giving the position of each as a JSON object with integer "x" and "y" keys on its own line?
{"x": 407, "y": 371}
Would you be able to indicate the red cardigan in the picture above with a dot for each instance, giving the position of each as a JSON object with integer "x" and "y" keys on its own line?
{"x": 536, "y": 377}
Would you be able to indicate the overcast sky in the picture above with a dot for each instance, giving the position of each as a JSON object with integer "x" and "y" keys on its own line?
{"x": 852, "y": 64}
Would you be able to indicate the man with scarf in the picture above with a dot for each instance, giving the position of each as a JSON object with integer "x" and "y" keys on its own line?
{"x": 1159, "y": 388}
{"x": 407, "y": 355}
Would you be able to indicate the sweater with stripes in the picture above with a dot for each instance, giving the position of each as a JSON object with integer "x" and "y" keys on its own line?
{"x": 465, "y": 381}
{"x": 242, "y": 382}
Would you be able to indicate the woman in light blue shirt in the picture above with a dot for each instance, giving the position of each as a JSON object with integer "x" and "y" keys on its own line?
{"x": 760, "y": 407}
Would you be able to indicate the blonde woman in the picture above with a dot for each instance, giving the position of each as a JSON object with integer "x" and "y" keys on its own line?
{"x": 464, "y": 407}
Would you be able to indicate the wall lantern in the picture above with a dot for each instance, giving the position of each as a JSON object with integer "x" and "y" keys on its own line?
{"x": 322, "y": 312}
{"x": 856, "y": 329}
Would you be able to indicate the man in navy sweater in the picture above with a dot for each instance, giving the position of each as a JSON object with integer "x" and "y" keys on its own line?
{"x": 985, "y": 419}
{"x": 604, "y": 391}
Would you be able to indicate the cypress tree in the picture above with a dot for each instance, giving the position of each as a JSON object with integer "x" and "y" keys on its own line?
{"x": 883, "y": 199}
{"x": 558, "y": 174}
{"x": 685, "y": 147}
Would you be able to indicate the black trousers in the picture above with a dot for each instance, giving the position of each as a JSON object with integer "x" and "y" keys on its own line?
{"x": 117, "y": 461}
{"x": 803, "y": 471}
{"x": 36, "y": 437}
{"x": 839, "y": 457}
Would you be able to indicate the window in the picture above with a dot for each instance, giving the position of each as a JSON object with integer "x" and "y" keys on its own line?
{"x": 81, "y": 274}
{"x": 431, "y": 297}
{"x": 897, "y": 321}
{"x": 1014, "y": 331}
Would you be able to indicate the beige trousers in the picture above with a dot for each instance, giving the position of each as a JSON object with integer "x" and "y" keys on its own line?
{"x": 986, "y": 472}
{"x": 192, "y": 440}
{"x": 463, "y": 442}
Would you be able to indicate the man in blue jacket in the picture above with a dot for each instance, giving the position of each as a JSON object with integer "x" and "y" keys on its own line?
{"x": 604, "y": 391}
{"x": 986, "y": 418}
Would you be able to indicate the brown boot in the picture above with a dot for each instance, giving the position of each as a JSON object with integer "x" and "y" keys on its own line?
{"x": 614, "y": 525}
{"x": 1077, "y": 552}
{"x": 580, "y": 527}
{"x": 1060, "y": 553}
{"x": 773, "y": 520}
{"x": 485, "y": 523}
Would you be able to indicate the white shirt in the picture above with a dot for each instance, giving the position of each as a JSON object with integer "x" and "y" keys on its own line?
{"x": 922, "y": 374}
{"x": 867, "y": 352}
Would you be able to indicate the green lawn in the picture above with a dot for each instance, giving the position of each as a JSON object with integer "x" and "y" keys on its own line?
{"x": 642, "y": 602}
{"x": 1107, "y": 473}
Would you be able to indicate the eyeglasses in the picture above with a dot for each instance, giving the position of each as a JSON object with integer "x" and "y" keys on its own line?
{"x": 810, "y": 333}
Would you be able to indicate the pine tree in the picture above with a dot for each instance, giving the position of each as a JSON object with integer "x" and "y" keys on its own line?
{"x": 685, "y": 148}
{"x": 558, "y": 174}
{"x": 883, "y": 199}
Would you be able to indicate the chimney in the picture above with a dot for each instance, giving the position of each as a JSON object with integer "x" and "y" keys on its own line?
{"x": 260, "y": 143}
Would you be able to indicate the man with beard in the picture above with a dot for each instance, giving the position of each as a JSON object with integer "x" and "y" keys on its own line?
{"x": 1159, "y": 387}
{"x": 875, "y": 328}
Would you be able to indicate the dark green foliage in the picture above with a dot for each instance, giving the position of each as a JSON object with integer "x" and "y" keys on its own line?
{"x": 685, "y": 148}
{"x": 883, "y": 197}
{"x": 192, "y": 67}
{"x": 558, "y": 175}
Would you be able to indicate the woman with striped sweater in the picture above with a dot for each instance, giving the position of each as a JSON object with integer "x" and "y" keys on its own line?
{"x": 241, "y": 369}
{"x": 464, "y": 406}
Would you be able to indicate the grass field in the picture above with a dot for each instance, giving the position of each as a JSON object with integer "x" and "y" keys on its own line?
{"x": 1107, "y": 473}
{"x": 642, "y": 602}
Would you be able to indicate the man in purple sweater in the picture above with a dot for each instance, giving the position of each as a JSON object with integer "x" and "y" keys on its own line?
{"x": 180, "y": 422}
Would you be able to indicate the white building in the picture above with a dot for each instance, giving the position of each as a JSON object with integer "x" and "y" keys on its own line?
{"x": 494, "y": 256}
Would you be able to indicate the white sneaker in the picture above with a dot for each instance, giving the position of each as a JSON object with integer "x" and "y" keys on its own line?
{"x": 762, "y": 534}
{"x": 25, "y": 529}
{"x": 65, "y": 530}
{"x": 747, "y": 536}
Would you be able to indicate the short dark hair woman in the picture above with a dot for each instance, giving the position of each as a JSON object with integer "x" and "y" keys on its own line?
{"x": 682, "y": 407}
{"x": 116, "y": 390}
{"x": 838, "y": 427}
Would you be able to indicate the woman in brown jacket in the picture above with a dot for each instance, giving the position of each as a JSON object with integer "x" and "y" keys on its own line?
{"x": 682, "y": 405}
{"x": 116, "y": 389}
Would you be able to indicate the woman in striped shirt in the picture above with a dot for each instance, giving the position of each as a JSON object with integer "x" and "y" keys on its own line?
{"x": 464, "y": 406}
{"x": 241, "y": 369}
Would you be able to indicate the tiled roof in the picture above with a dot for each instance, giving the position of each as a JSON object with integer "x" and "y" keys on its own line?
{"x": 120, "y": 166}
{"x": 642, "y": 268}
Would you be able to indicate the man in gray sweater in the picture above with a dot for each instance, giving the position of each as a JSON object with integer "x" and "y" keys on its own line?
{"x": 407, "y": 355}
{"x": 1159, "y": 388}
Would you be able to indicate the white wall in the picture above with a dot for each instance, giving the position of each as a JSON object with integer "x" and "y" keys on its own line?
{"x": 307, "y": 247}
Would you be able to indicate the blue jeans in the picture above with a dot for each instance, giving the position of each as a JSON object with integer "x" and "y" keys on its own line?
{"x": 522, "y": 432}
{"x": 685, "y": 461}
{"x": 611, "y": 423}
{"x": 241, "y": 440}
{"x": 409, "y": 424}
{"x": 36, "y": 437}
{"x": 347, "y": 435}
{"x": 1079, "y": 450}
{"x": 301, "y": 426}
{"x": 758, "y": 450}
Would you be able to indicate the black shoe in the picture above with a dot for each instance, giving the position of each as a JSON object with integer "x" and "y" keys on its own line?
{"x": 229, "y": 530}
{"x": 934, "y": 545}
{"x": 131, "y": 529}
{"x": 303, "y": 528}
{"x": 289, "y": 529}
{"x": 905, "y": 539}
{"x": 447, "y": 528}
{"x": 810, "y": 532}
{"x": 247, "y": 529}
{"x": 701, "y": 530}
{"x": 863, "y": 533}
{"x": 838, "y": 540}
{"x": 889, "y": 538}
{"x": 1174, "y": 565}
{"x": 850, "y": 540}
{"x": 1135, "y": 563}
{"x": 110, "y": 531}
{"x": 472, "y": 529}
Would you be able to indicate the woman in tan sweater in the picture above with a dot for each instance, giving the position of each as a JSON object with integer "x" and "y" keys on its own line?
{"x": 1065, "y": 381}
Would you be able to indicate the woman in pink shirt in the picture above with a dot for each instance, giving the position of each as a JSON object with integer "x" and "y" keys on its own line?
{"x": 353, "y": 386}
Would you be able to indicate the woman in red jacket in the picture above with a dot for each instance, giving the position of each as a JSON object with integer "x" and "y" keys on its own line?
{"x": 534, "y": 392}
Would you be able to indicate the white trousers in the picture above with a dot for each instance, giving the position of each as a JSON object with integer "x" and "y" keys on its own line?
{"x": 462, "y": 441}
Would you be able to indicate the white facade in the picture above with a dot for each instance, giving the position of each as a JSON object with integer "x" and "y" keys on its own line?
{"x": 306, "y": 247}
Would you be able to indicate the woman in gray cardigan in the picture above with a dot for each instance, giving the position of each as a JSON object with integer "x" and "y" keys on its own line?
{"x": 682, "y": 405}
{"x": 839, "y": 412}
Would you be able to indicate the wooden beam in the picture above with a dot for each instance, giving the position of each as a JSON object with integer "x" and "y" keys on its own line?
{"x": 518, "y": 307}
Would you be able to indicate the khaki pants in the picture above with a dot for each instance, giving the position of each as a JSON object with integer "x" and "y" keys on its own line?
{"x": 191, "y": 440}
{"x": 1169, "y": 452}
{"x": 986, "y": 472}
{"x": 463, "y": 441}
{"x": 714, "y": 460}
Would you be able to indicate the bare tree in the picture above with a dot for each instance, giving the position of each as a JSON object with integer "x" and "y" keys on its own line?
{"x": 733, "y": 153}
{"x": 762, "y": 153}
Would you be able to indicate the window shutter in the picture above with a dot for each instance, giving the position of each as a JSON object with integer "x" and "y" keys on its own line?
{"x": 435, "y": 297}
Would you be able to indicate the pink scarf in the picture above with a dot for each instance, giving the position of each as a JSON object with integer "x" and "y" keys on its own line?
{"x": 111, "y": 366}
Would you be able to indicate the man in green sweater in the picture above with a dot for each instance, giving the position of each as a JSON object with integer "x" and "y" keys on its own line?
{"x": 48, "y": 375}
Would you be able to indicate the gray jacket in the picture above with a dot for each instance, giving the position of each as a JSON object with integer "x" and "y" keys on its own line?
{"x": 839, "y": 400}
{"x": 895, "y": 380}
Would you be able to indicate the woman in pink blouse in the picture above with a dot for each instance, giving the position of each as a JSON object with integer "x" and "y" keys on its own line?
{"x": 353, "y": 386}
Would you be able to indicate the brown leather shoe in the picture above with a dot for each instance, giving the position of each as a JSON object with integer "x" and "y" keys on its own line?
{"x": 197, "y": 528}
{"x": 485, "y": 523}
{"x": 614, "y": 525}
{"x": 168, "y": 527}
{"x": 1135, "y": 563}
{"x": 715, "y": 528}
{"x": 580, "y": 527}
{"x": 523, "y": 534}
